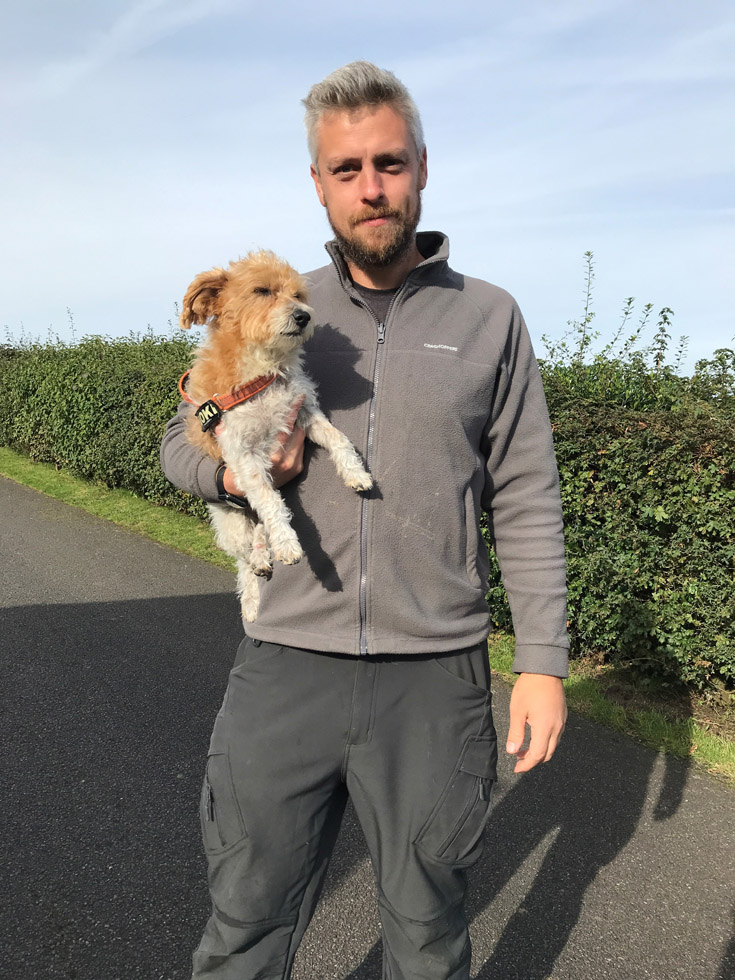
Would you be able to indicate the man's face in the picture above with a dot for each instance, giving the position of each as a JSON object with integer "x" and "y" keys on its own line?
{"x": 370, "y": 180}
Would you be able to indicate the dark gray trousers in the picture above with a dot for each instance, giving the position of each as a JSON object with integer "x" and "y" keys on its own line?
{"x": 409, "y": 739}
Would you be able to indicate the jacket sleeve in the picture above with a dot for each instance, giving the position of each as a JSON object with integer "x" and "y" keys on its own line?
{"x": 183, "y": 464}
{"x": 523, "y": 503}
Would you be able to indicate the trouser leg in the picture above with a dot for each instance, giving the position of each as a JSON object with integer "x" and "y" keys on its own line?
{"x": 421, "y": 765}
{"x": 271, "y": 805}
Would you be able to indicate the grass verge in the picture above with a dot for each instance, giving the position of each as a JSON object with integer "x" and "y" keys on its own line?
{"x": 180, "y": 531}
{"x": 603, "y": 697}
{"x": 609, "y": 697}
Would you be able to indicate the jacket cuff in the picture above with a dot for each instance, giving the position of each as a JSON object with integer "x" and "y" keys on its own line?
{"x": 207, "y": 479}
{"x": 535, "y": 658}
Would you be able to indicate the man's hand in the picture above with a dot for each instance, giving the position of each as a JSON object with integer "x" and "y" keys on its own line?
{"x": 537, "y": 700}
{"x": 288, "y": 459}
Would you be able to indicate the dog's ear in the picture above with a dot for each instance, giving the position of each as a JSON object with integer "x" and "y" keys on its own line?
{"x": 201, "y": 297}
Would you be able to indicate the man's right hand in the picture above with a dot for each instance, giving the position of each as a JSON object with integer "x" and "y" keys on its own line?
{"x": 287, "y": 461}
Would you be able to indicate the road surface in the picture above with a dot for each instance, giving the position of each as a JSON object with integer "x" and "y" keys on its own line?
{"x": 611, "y": 861}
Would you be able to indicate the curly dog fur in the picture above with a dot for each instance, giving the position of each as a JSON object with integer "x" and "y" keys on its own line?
{"x": 258, "y": 319}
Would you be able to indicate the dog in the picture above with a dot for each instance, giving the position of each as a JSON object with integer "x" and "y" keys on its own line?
{"x": 246, "y": 378}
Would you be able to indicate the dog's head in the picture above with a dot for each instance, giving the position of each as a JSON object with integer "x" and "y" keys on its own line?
{"x": 258, "y": 302}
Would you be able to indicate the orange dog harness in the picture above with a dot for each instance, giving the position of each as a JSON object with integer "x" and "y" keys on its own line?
{"x": 210, "y": 412}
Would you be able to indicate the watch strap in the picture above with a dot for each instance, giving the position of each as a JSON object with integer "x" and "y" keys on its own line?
{"x": 229, "y": 498}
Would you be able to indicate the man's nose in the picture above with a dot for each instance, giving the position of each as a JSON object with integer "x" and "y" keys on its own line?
{"x": 371, "y": 188}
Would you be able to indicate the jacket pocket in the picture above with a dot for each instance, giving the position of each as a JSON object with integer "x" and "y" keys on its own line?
{"x": 252, "y": 652}
{"x": 453, "y": 830}
{"x": 222, "y": 823}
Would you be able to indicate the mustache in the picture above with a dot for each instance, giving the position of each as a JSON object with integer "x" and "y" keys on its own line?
{"x": 369, "y": 213}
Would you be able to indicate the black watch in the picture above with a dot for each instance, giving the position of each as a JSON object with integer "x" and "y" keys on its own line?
{"x": 224, "y": 496}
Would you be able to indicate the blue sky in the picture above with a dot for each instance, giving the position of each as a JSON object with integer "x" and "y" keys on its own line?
{"x": 147, "y": 140}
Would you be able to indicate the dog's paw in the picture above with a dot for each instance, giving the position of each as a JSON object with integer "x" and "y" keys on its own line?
{"x": 260, "y": 562}
{"x": 289, "y": 554}
{"x": 361, "y": 480}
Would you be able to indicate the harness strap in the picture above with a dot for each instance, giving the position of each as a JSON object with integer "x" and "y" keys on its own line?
{"x": 210, "y": 412}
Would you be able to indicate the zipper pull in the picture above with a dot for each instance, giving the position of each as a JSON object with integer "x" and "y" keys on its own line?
{"x": 381, "y": 333}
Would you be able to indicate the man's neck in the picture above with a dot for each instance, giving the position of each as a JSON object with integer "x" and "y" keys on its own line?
{"x": 389, "y": 276}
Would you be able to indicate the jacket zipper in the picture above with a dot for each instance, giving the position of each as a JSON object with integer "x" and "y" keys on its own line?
{"x": 368, "y": 462}
{"x": 369, "y": 449}
{"x": 365, "y": 499}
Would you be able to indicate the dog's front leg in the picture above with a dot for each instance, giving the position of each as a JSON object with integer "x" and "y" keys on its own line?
{"x": 253, "y": 476}
{"x": 343, "y": 454}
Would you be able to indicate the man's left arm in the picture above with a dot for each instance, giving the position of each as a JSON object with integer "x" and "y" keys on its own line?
{"x": 524, "y": 511}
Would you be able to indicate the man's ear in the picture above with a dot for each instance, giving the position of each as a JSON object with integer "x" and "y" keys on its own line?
{"x": 318, "y": 184}
{"x": 423, "y": 170}
{"x": 201, "y": 297}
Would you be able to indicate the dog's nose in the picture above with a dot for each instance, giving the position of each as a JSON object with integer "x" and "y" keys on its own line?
{"x": 301, "y": 318}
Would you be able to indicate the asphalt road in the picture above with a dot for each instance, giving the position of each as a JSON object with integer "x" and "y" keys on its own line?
{"x": 611, "y": 861}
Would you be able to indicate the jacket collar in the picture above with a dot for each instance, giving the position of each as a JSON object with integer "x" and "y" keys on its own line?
{"x": 433, "y": 244}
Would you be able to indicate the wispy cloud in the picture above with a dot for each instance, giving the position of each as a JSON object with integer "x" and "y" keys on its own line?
{"x": 138, "y": 27}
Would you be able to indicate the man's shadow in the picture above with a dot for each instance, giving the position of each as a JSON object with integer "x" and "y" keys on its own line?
{"x": 591, "y": 797}
{"x": 727, "y": 967}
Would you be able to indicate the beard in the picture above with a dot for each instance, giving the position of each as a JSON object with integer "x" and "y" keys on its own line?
{"x": 396, "y": 239}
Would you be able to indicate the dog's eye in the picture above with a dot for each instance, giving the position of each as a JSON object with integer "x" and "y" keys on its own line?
{"x": 262, "y": 291}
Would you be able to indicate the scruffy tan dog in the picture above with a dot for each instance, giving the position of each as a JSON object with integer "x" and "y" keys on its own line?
{"x": 246, "y": 378}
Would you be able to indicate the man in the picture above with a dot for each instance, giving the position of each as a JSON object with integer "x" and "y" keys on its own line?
{"x": 365, "y": 674}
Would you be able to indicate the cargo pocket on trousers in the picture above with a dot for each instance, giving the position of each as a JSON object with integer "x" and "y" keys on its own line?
{"x": 456, "y": 823}
{"x": 222, "y": 823}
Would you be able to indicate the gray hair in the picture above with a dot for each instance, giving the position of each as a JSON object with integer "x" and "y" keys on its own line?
{"x": 355, "y": 86}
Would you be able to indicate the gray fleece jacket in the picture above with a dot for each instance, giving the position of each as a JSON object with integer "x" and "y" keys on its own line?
{"x": 444, "y": 401}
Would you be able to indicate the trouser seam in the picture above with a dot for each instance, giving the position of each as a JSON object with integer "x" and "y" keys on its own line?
{"x": 286, "y": 967}
{"x": 306, "y": 879}
{"x": 348, "y": 743}
{"x": 488, "y": 703}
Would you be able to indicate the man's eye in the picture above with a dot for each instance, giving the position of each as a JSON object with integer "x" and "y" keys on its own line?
{"x": 262, "y": 291}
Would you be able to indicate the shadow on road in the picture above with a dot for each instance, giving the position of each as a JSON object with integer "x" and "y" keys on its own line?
{"x": 727, "y": 967}
{"x": 107, "y": 710}
{"x": 589, "y": 799}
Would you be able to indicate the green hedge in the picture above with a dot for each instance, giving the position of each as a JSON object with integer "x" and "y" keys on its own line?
{"x": 649, "y": 510}
{"x": 646, "y": 459}
{"x": 97, "y": 408}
